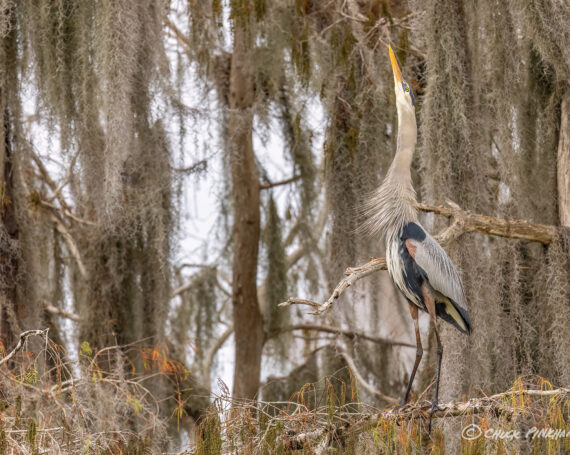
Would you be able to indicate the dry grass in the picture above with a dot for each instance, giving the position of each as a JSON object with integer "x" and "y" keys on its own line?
{"x": 100, "y": 404}
{"x": 326, "y": 417}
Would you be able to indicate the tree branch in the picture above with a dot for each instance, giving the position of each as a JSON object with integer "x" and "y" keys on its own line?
{"x": 20, "y": 344}
{"x": 74, "y": 250}
{"x": 181, "y": 37}
{"x": 66, "y": 212}
{"x": 500, "y": 227}
{"x": 462, "y": 221}
{"x": 336, "y": 330}
{"x": 501, "y": 403}
{"x": 211, "y": 353}
{"x": 59, "y": 312}
{"x": 265, "y": 186}
{"x": 353, "y": 275}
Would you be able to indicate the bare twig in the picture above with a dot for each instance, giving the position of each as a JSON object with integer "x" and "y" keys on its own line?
{"x": 20, "y": 344}
{"x": 196, "y": 168}
{"x": 265, "y": 186}
{"x": 180, "y": 289}
{"x": 316, "y": 233}
{"x": 198, "y": 278}
{"x": 353, "y": 275}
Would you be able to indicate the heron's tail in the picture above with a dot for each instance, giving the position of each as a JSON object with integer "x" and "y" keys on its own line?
{"x": 457, "y": 316}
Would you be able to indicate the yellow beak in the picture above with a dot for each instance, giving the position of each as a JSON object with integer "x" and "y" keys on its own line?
{"x": 395, "y": 67}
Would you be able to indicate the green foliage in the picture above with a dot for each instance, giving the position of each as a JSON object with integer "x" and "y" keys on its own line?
{"x": 85, "y": 349}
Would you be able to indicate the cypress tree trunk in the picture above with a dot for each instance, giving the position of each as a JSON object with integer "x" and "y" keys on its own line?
{"x": 248, "y": 322}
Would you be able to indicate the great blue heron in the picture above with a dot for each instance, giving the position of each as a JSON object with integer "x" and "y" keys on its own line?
{"x": 417, "y": 264}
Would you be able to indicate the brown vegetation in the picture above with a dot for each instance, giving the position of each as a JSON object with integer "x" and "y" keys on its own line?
{"x": 112, "y": 113}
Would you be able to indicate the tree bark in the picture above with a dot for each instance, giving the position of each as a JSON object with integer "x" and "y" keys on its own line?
{"x": 248, "y": 322}
{"x": 10, "y": 314}
{"x": 564, "y": 162}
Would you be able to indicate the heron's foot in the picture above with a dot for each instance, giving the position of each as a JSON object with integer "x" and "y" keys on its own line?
{"x": 434, "y": 408}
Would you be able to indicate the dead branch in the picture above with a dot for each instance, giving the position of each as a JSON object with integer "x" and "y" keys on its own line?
{"x": 20, "y": 344}
{"x": 501, "y": 227}
{"x": 336, "y": 330}
{"x": 265, "y": 186}
{"x": 461, "y": 222}
{"x": 52, "y": 309}
{"x": 353, "y": 275}
{"x": 67, "y": 213}
{"x": 195, "y": 168}
{"x": 501, "y": 403}
{"x": 180, "y": 289}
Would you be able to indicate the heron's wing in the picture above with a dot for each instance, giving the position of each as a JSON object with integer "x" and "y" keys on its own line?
{"x": 437, "y": 266}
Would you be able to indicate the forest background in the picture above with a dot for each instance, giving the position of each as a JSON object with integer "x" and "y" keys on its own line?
{"x": 171, "y": 171}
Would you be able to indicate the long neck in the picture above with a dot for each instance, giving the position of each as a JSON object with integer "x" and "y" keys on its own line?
{"x": 392, "y": 206}
{"x": 399, "y": 173}
{"x": 407, "y": 137}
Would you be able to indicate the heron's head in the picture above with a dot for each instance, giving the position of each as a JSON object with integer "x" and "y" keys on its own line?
{"x": 404, "y": 96}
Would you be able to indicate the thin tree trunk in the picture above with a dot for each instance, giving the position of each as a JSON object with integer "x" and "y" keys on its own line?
{"x": 9, "y": 233}
{"x": 564, "y": 163}
{"x": 248, "y": 322}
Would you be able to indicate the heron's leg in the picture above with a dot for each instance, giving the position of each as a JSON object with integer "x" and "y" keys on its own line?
{"x": 419, "y": 352}
{"x": 430, "y": 304}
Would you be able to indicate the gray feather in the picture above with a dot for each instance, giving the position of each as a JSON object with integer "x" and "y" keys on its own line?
{"x": 441, "y": 272}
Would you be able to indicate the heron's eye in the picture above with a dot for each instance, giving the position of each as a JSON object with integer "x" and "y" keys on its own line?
{"x": 407, "y": 89}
